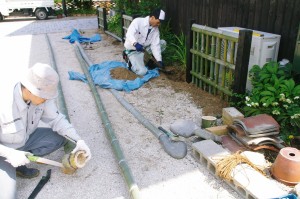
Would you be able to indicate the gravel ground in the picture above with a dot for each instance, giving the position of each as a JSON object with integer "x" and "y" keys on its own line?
{"x": 157, "y": 174}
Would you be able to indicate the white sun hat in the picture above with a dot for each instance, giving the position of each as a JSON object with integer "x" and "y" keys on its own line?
{"x": 42, "y": 81}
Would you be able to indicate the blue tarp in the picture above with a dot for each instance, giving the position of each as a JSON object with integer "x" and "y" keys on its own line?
{"x": 101, "y": 76}
{"x": 75, "y": 36}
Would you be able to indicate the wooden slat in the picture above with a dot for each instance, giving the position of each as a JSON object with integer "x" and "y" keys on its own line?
{"x": 286, "y": 27}
{"x": 272, "y": 15}
{"x": 279, "y": 16}
{"x": 245, "y": 13}
{"x": 251, "y": 14}
{"x": 264, "y": 15}
{"x": 257, "y": 15}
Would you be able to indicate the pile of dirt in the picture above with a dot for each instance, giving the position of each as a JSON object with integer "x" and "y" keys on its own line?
{"x": 123, "y": 74}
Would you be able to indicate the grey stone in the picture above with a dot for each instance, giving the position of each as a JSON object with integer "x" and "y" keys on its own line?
{"x": 184, "y": 128}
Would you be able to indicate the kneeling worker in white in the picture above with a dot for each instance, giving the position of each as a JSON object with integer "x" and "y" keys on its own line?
{"x": 143, "y": 34}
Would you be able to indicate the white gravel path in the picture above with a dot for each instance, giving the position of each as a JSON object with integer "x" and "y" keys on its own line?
{"x": 158, "y": 175}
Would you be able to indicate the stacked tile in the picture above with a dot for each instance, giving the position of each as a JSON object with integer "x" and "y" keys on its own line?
{"x": 256, "y": 132}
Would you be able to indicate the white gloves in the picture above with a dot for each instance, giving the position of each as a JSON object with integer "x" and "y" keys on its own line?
{"x": 17, "y": 158}
{"x": 81, "y": 146}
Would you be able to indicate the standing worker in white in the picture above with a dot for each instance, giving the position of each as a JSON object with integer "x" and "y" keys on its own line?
{"x": 143, "y": 34}
{"x": 22, "y": 107}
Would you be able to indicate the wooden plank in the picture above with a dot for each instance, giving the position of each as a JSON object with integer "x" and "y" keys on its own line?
{"x": 245, "y": 14}
{"x": 272, "y": 15}
{"x": 220, "y": 13}
{"x": 210, "y": 14}
{"x": 203, "y": 19}
{"x": 258, "y": 8}
{"x": 264, "y": 15}
{"x": 185, "y": 12}
{"x": 251, "y": 14}
{"x": 279, "y": 16}
{"x": 233, "y": 10}
{"x": 214, "y": 18}
{"x": 239, "y": 14}
{"x": 287, "y": 20}
{"x": 294, "y": 31}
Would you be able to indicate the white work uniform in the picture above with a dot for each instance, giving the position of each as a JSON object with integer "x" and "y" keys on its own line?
{"x": 18, "y": 120}
{"x": 137, "y": 32}
{"x": 19, "y": 130}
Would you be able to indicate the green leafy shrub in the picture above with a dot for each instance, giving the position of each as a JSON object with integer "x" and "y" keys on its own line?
{"x": 275, "y": 93}
{"x": 135, "y": 7}
{"x": 167, "y": 34}
{"x": 175, "y": 53}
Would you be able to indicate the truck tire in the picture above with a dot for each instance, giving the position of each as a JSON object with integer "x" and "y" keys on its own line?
{"x": 41, "y": 14}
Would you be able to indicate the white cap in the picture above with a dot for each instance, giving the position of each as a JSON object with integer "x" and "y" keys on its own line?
{"x": 41, "y": 80}
{"x": 158, "y": 14}
{"x": 161, "y": 15}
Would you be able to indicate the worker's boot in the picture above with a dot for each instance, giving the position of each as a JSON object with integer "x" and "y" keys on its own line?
{"x": 125, "y": 57}
{"x": 151, "y": 65}
{"x": 24, "y": 172}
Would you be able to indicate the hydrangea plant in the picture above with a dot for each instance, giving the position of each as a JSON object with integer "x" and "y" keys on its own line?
{"x": 275, "y": 93}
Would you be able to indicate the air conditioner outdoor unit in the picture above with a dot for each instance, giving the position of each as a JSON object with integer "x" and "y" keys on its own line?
{"x": 264, "y": 47}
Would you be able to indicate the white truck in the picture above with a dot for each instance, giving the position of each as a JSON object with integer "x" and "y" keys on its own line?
{"x": 41, "y": 9}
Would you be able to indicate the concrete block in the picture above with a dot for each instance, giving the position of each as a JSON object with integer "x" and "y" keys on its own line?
{"x": 248, "y": 182}
{"x": 229, "y": 114}
{"x": 254, "y": 184}
{"x": 207, "y": 152}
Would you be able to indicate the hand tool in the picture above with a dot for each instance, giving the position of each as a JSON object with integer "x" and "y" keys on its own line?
{"x": 172, "y": 136}
{"x": 70, "y": 162}
{"x": 40, "y": 185}
{"x": 160, "y": 67}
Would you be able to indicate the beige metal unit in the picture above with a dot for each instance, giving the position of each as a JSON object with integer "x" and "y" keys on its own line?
{"x": 264, "y": 47}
